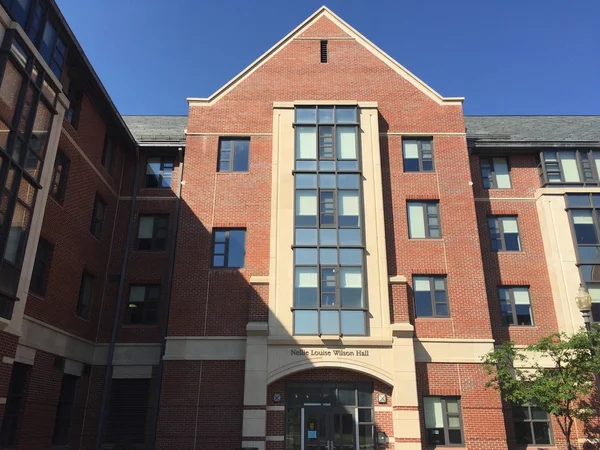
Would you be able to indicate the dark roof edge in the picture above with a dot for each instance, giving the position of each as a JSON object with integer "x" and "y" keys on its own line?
{"x": 95, "y": 77}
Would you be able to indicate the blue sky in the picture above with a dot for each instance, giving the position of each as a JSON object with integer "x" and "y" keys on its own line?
{"x": 504, "y": 56}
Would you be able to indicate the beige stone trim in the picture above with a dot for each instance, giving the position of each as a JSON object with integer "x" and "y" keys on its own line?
{"x": 254, "y": 423}
{"x": 25, "y": 355}
{"x": 560, "y": 190}
{"x": 275, "y": 438}
{"x": 451, "y": 350}
{"x": 2, "y": 400}
{"x": 259, "y": 445}
{"x": 292, "y": 105}
{"x": 7, "y": 360}
{"x": 424, "y": 133}
{"x": 257, "y": 328}
{"x": 73, "y": 367}
{"x": 275, "y": 408}
{"x": 339, "y": 38}
{"x": 414, "y": 446}
{"x": 397, "y": 279}
{"x": 510, "y": 199}
{"x": 383, "y": 408}
{"x": 203, "y": 348}
{"x": 311, "y": 341}
{"x": 259, "y": 279}
{"x": 351, "y": 32}
{"x": 121, "y": 372}
{"x": 406, "y": 424}
{"x": 201, "y": 133}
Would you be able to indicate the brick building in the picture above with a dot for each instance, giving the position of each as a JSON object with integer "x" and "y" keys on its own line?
{"x": 340, "y": 250}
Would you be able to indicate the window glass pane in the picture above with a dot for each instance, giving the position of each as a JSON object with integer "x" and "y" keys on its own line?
{"x": 353, "y": 322}
{"x": 597, "y": 162}
{"x": 523, "y": 433}
{"x": 305, "y": 255}
{"x": 306, "y": 236}
{"x": 327, "y": 236}
{"x": 306, "y": 181}
{"x": 351, "y": 287}
{"x": 16, "y": 235}
{"x": 328, "y": 256}
{"x": 349, "y": 236}
{"x": 350, "y": 256}
{"x": 583, "y": 223}
{"x": 326, "y": 165}
{"x": 541, "y": 432}
{"x": 538, "y": 413}
{"x": 423, "y": 305}
{"x": 146, "y": 228}
{"x": 502, "y": 175}
{"x": 306, "y": 208}
{"x": 348, "y": 209}
{"x": 454, "y": 436}
{"x": 410, "y": 149}
{"x": 347, "y": 165}
{"x": 137, "y": 294}
{"x": 305, "y": 322}
{"x": 416, "y": 221}
{"x": 345, "y": 114}
{"x": 241, "y": 151}
{"x": 452, "y": 406}
{"x": 509, "y": 225}
{"x": 306, "y": 165}
{"x": 588, "y": 254}
{"x": 330, "y": 322}
{"x": 523, "y": 314}
{"x": 218, "y": 260}
{"x": 348, "y": 181}
{"x": 327, "y": 181}
{"x": 521, "y": 296}
{"x": 453, "y": 422}
{"x": 346, "y": 142}
{"x": 237, "y": 248}
{"x": 306, "y": 115}
{"x": 48, "y": 40}
{"x": 578, "y": 200}
{"x": 306, "y": 287}
{"x": 306, "y": 142}
{"x": 569, "y": 166}
{"x": 9, "y": 92}
{"x": 325, "y": 115}
{"x": 433, "y": 412}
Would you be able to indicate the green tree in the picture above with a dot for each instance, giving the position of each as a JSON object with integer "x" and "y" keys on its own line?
{"x": 556, "y": 374}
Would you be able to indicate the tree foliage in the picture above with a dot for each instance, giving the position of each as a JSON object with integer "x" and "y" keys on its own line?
{"x": 556, "y": 374}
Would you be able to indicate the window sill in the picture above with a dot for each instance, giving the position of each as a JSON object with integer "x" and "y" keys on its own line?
{"x": 425, "y": 239}
{"x": 233, "y": 173}
{"x": 59, "y": 204}
{"x": 527, "y": 327}
{"x": 95, "y": 238}
{"x": 424, "y": 319}
{"x": 37, "y": 296}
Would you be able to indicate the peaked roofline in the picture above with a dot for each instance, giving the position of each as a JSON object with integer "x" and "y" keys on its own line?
{"x": 324, "y": 11}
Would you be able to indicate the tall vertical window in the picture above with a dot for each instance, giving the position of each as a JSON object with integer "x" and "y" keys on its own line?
{"x": 443, "y": 421}
{"x": 86, "y": 294}
{"x": 64, "y": 410}
{"x": 418, "y": 155}
{"x": 27, "y": 99}
{"x": 159, "y": 172}
{"x": 107, "y": 152}
{"x": 328, "y": 250}
{"x": 532, "y": 425}
{"x": 13, "y": 410}
{"x": 515, "y": 305}
{"x": 41, "y": 267}
{"x": 142, "y": 304}
{"x": 234, "y": 155}
{"x": 431, "y": 296}
{"x": 98, "y": 217}
{"x": 59, "y": 177}
{"x": 423, "y": 219}
{"x": 504, "y": 233}
{"x": 570, "y": 167}
{"x": 229, "y": 247}
{"x": 495, "y": 173}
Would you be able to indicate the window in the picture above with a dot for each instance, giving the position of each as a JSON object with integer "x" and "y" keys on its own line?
{"x": 431, "y": 298}
{"x": 328, "y": 253}
{"x": 142, "y": 304}
{"x": 59, "y": 177}
{"x": 75, "y": 97}
{"x": 495, "y": 173}
{"x": 107, "y": 153}
{"x": 127, "y": 411}
{"x": 86, "y": 293}
{"x": 19, "y": 10}
{"x": 229, "y": 248}
{"x": 13, "y": 410}
{"x": 324, "y": 51}
{"x": 64, "y": 410}
{"x": 41, "y": 267}
{"x": 159, "y": 172}
{"x": 423, "y": 220}
{"x": 570, "y": 167}
{"x": 98, "y": 218}
{"x": 443, "y": 421}
{"x": 234, "y": 155}
{"x": 418, "y": 155}
{"x": 515, "y": 305}
{"x": 152, "y": 232}
{"x": 532, "y": 425}
{"x": 504, "y": 233}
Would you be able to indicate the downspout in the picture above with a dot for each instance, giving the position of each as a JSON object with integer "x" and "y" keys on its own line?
{"x": 117, "y": 310}
{"x": 167, "y": 306}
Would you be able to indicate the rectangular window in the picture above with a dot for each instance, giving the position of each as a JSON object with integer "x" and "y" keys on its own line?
{"x": 594, "y": 290}
{"x": 107, "y": 153}
{"x": 532, "y": 425}
{"x": 13, "y": 409}
{"x": 19, "y": 10}
{"x": 570, "y": 167}
{"x": 152, "y": 232}
{"x": 64, "y": 410}
{"x": 495, "y": 173}
{"x": 127, "y": 411}
{"x": 98, "y": 217}
{"x": 443, "y": 421}
{"x": 583, "y": 211}
{"x": 323, "y": 51}
{"x": 418, "y": 155}
{"x": 504, "y": 233}
{"x": 159, "y": 172}
{"x": 515, "y": 305}
{"x": 41, "y": 267}
{"x": 59, "y": 177}
{"x": 229, "y": 248}
{"x": 86, "y": 293}
{"x": 431, "y": 298}
{"x": 234, "y": 155}
{"x": 423, "y": 220}
{"x": 72, "y": 114}
{"x": 142, "y": 304}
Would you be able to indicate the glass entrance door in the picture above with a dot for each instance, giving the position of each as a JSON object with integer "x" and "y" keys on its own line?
{"x": 329, "y": 428}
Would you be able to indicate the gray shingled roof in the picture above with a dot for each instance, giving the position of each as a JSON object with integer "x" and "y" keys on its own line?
{"x": 534, "y": 128}
{"x": 157, "y": 129}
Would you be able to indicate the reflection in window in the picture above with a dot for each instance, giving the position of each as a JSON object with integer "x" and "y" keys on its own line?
{"x": 515, "y": 306}
{"x": 431, "y": 298}
{"x": 234, "y": 155}
{"x": 443, "y": 420}
{"x": 532, "y": 425}
{"x": 229, "y": 248}
{"x": 142, "y": 304}
{"x": 417, "y": 155}
{"x": 495, "y": 173}
{"x": 423, "y": 220}
{"x": 504, "y": 233}
{"x": 159, "y": 172}
{"x": 570, "y": 167}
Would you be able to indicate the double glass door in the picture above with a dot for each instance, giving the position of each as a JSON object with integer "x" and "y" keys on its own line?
{"x": 329, "y": 428}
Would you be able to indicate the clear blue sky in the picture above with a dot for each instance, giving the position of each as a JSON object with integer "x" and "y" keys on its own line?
{"x": 504, "y": 56}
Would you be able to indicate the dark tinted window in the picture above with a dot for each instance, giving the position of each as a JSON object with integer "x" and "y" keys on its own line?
{"x": 417, "y": 155}
{"x": 86, "y": 292}
{"x": 142, "y": 304}
{"x": 234, "y": 155}
{"x": 159, "y": 172}
{"x": 64, "y": 410}
{"x": 229, "y": 247}
{"x": 152, "y": 232}
{"x": 59, "y": 177}
{"x": 98, "y": 217}
{"x": 13, "y": 410}
{"x": 431, "y": 298}
{"x": 41, "y": 267}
